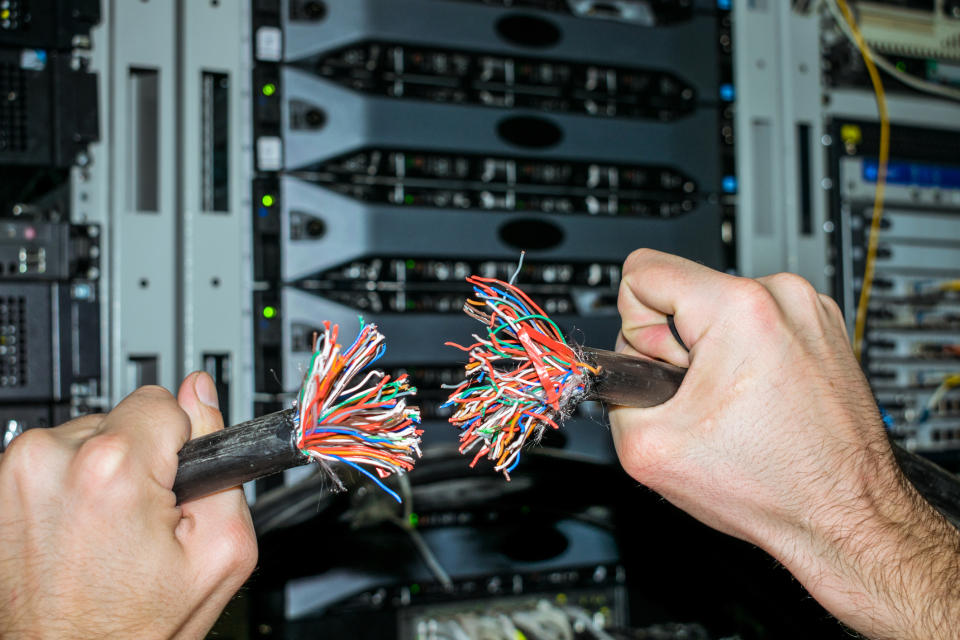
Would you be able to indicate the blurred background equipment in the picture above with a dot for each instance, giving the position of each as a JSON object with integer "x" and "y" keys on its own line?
{"x": 50, "y": 277}
{"x": 199, "y": 184}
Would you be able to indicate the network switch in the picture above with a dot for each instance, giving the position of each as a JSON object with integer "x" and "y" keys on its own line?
{"x": 912, "y": 337}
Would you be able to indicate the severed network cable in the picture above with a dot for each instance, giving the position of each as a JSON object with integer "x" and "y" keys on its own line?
{"x": 367, "y": 424}
{"x": 346, "y": 413}
{"x": 523, "y": 377}
{"x": 498, "y": 408}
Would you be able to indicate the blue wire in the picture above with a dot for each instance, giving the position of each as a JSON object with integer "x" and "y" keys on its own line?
{"x": 380, "y": 351}
{"x": 390, "y": 491}
{"x": 523, "y": 429}
{"x": 356, "y": 434}
{"x": 359, "y": 333}
{"x": 505, "y": 296}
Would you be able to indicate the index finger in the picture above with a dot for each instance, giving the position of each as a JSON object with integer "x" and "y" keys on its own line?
{"x": 664, "y": 284}
{"x": 153, "y": 428}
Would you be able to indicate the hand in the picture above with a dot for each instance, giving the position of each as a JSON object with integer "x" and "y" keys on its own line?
{"x": 774, "y": 437}
{"x": 92, "y": 543}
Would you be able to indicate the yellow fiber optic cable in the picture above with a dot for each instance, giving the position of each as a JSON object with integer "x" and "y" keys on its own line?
{"x": 882, "y": 161}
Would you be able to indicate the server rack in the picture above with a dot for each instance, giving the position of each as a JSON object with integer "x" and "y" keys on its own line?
{"x": 400, "y": 146}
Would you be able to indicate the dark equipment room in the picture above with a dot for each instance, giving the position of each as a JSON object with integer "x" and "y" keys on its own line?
{"x": 529, "y": 319}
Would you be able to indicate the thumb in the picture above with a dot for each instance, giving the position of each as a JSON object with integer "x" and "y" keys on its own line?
{"x": 198, "y": 398}
{"x": 216, "y": 531}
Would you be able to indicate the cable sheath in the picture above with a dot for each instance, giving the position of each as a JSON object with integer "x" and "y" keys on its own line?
{"x": 267, "y": 445}
{"x": 246, "y": 451}
{"x": 629, "y": 381}
{"x": 636, "y": 382}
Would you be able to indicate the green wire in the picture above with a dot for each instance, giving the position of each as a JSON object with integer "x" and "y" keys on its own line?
{"x": 529, "y": 317}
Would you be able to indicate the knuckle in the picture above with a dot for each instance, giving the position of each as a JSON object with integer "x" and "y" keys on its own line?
{"x": 91, "y": 419}
{"x": 180, "y": 421}
{"x": 30, "y": 452}
{"x": 753, "y": 303}
{"x": 641, "y": 455}
{"x": 639, "y": 254}
{"x": 637, "y": 258}
{"x": 795, "y": 289}
{"x": 646, "y": 461}
{"x": 153, "y": 392}
{"x": 831, "y": 306}
{"x": 102, "y": 460}
{"x": 240, "y": 551}
{"x": 155, "y": 406}
{"x": 802, "y": 304}
{"x": 751, "y": 293}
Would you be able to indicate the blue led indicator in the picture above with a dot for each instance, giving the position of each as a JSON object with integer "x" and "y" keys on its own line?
{"x": 729, "y": 184}
{"x": 82, "y": 292}
{"x": 724, "y": 5}
{"x": 263, "y": 212}
{"x": 727, "y": 92}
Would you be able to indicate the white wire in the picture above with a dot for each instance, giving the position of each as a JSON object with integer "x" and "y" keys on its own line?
{"x": 580, "y": 615}
{"x": 906, "y": 78}
{"x": 519, "y": 266}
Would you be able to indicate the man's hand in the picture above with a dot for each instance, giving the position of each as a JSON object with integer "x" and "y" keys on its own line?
{"x": 92, "y": 543}
{"x": 774, "y": 437}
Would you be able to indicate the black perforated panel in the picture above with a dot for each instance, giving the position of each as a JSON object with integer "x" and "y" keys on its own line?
{"x": 13, "y": 113}
{"x": 13, "y": 341}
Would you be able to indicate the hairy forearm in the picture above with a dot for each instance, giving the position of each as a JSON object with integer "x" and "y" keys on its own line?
{"x": 883, "y": 560}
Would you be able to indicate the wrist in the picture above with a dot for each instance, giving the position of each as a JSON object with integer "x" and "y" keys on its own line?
{"x": 877, "y": 555}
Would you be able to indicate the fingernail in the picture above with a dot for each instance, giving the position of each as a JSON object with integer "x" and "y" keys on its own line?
{"x": 206, "y": 391}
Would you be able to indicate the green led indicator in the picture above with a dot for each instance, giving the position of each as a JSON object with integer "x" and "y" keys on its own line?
{"x": 269, "y": 89}
{"x": 411, "y": 264}
{"x": 267, "y": 200}
{"x": 269, "y": 312}
{"x": 414, "y": 519}
{"x": 408, "y": 199}
{"x": 414, "y": 589}
{"x": 411, "y": 305}
{"x": 901, "y": 66}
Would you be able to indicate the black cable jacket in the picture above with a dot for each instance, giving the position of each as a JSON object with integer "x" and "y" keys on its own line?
{"x": 937, "y": 485}
{"x": 630, "y": 381}
{"x": 246, "y": 451}
{"x": 266, "y": 445}
{"x": 635, "y": 382}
